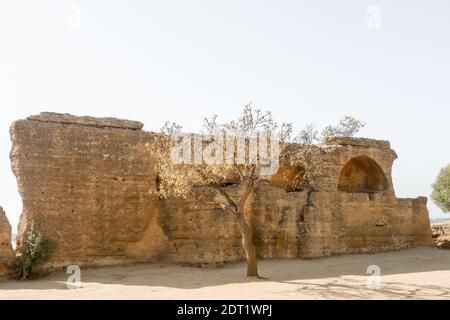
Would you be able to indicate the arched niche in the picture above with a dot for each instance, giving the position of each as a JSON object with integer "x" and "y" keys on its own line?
{"x": 362, "y": 174}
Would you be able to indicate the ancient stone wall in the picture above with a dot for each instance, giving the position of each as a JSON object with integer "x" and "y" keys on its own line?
{"x": 356, "y": 205}
{"x": 86, "y": 186}
{"x": 85, "y": 183}
{"x": 6, "y": 250}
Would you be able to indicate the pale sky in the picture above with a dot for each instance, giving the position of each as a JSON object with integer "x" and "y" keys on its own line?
{"x": 306, "y": 61}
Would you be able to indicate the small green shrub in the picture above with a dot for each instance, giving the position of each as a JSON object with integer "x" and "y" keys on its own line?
{"x": 34, "y": 251}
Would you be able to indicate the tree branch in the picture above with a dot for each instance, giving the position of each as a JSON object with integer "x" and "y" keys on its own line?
{"x": 248, "y": 190}
{"x": 230, "y": 201}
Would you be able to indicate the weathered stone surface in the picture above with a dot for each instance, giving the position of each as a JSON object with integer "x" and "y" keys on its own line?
{"x": 6, "y": 250}
{"x": 358, "y": 142}
{"x": 86, "y": 187}
{"x": 441, "y": 235}
{"x": 87, "y": 121}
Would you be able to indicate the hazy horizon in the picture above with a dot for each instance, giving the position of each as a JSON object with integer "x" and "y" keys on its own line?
{"x": 307, "y": 62}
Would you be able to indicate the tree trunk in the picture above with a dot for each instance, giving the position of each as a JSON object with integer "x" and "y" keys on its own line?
{"x": 249, "y": 247}
{"x": 246, "y": 233}
{"x": 247, "y": 236}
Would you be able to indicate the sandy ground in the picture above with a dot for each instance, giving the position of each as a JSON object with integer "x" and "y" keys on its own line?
{"x": 420, "y": 273}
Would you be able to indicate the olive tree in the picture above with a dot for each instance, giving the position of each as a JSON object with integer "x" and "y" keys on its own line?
{"x": 247, "y": 147}
{"x": 246, "y": 150}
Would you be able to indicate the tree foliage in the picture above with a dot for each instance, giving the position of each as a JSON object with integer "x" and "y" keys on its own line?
{"x": 441, "y": 190}
{"x": 175, "y": 180}
{"x": 347, "y": 127}
{"x": 31, "y": 254}
{"x": 308, "y": 136}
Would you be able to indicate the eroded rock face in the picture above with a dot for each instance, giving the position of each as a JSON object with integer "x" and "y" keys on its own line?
{"x": 6, "y": 250}
{"x": 86, "y": 186}
{"x": 66, "y": 118}
{"x": 85, "y": 182}
{"x": 441, "y": 235}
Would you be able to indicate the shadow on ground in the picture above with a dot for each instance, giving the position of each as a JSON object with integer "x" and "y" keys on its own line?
{"x": 324, "y": 278}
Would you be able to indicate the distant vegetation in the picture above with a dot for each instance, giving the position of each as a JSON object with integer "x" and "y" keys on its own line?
{"x": 347, "y": 127}
{"x": 441, "y": 190}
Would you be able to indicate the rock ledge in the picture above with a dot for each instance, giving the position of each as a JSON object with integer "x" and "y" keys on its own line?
{"x": 87, "y": 121}
{"x": 359, "y": 142}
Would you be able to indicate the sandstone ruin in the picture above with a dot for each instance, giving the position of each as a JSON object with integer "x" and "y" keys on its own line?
{"x": 85, "y": 183}
{"x": 6, "y": 250}
{"x": 441, "y": 234}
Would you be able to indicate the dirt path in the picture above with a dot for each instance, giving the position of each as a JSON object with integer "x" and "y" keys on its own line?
{"x": 420, "y": 273}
